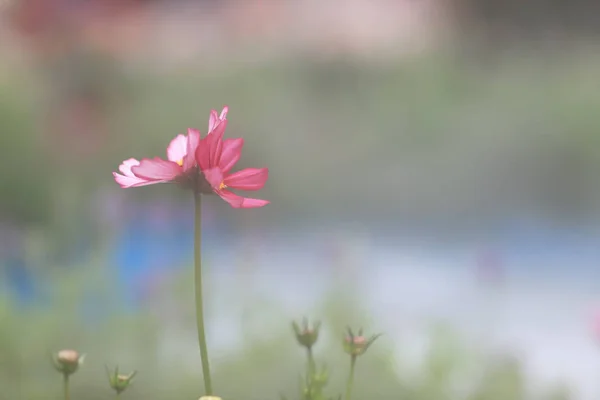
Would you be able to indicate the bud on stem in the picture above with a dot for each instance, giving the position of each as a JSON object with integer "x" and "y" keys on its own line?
{"x": 67, "y": 361}
{"x": 119, "y": 382}
{"x": 305, "y": 335}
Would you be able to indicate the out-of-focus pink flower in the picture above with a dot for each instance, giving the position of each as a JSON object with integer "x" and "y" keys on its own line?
{"x": 216, "y": 157}
{"x": 200, "y": 163}
{"x": 595, "y": 324}
{"x": 490, "y": 268}
{"x": 180, "y": 163}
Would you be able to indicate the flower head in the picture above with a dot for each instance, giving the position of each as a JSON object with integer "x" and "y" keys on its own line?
{"x": 356, "y": 345}
{"x": 67, "y": 361}
{"x": 204, "y": 164}
{"x": 216, "y": 157}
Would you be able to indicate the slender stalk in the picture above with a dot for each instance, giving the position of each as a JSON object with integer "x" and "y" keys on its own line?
{"x": 198, "y": 289}
{"x": 66, "y": 386}
{"x": 311, "y": 362}
{"x": 350, "y": 378}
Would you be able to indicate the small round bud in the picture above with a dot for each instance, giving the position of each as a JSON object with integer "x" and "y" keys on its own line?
{"x": 67, "y": 361}
{"x": 68, "y": 356}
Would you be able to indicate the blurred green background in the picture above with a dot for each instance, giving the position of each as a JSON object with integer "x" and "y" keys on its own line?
{"x": 430, "y": 117}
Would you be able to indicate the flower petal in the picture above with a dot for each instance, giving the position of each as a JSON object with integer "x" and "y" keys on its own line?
{"x": 177, "y": 148}
{"x": 126, "y": 165}
{"x": 215, "y": 118}
{"x": 214, "y": 176}
{"x": 216, "y": 143}
{"x": 157, "y": 169}
{"x": 192, "y": 142}
{"x": 224, "y": 112}
{"x": 203, "y": 153}
{"x": 131, "y": 181}
{"x": 236, "y": 201}
{"x": 248, "y": 179}
{"x": 128, "y": 179}
{"x": 232, "y": 151}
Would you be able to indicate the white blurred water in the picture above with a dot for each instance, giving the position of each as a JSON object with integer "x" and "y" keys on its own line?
{"x": 540, "y": 314}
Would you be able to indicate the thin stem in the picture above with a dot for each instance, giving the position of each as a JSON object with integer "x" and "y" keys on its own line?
{"x": 66, "y": 386}
{"x": 350, "y": 378}
{"x": 198, "y": 289}
{"x": 311, "y": 362}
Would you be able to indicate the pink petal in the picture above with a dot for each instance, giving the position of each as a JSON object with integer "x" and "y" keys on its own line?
{"x": 216, "y": 143}
{"x": 214, "y": 176}
{"x": 208, "y": 151}
{"x": 216, "y": 119}
{"x": 192, "y": 142}
{"x": 248, "y": 179}
{"x": 131, "y": 181}
{"x": 232, "y": 151}
{"x": 128, "y": 179}
{"x": 213, "y": 120}
{"x": 224, "y": 112}
{"x": 236, "y": 201}
{"x": 203, "y": 153}
{"x": 177, "y": 148}
{"x": 157, "y": 169}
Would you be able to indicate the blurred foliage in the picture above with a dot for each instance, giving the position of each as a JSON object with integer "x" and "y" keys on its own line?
{"x": 420, "y": 124}
{"x": 25, "y": 186}
{"x": 266, "y": 366}
{"x": 536, "y": 19}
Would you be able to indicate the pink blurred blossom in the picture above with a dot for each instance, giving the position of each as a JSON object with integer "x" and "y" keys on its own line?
{"x": 201, "y": 163}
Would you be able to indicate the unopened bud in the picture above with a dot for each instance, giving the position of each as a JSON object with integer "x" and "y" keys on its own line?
{"x": 356, "y": 345}
{"x": 67, "y": 361}
{"x": 119, "y": 382}
{"x": 306, "y": 335}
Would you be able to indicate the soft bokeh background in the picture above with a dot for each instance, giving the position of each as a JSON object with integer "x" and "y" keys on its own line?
{"x": 433, "y": 176}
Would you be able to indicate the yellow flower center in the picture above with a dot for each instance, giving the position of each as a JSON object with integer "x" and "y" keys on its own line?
{"x": 180, "y": 162}
{"x": 222, "y": 186}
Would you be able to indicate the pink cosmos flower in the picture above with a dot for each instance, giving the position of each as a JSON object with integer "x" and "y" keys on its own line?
{"x": 202, "y": 164}
{"x": 216, "y": 157}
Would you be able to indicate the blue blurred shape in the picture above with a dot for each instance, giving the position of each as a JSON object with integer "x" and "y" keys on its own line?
{"x": 20, "y": 281}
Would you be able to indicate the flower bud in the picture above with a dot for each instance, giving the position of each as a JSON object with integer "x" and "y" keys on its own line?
{"x": 356, "y": 345}
{"x": 306, "y": 335}
{"x": 67, "y": 361}
{"x": 119, "y": 382}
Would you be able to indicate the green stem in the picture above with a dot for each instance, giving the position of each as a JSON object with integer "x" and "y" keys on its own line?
{"x": 350, "y": 378}
{"x": 66, "y": 386}
{"x": 311, "y": 362}
{"x": 198, "y": 285}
